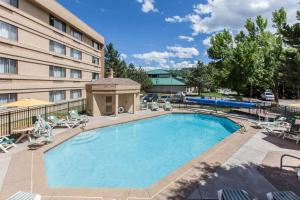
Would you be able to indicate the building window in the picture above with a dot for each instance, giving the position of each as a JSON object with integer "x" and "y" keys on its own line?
{"x": 75, "y": 73}
{"x": 75, "y": 94}
{"x": 56, "y": 96}
{"x": 76, "y": 34}
{"x": 14, "y": 3}
{"x": 57, "y": 72}
{"x": 95, "y": 60}
{"x": 76, "y": 54}
{"x": 58, "y": 24}
{"x": 95, "y": 76}
{"x": 8, "y": 66}
{"x": 96, "y": 45}
{"x": 57, "y": 47}
{"x": 6, "y": 98}
{"x": 8, "y": 31}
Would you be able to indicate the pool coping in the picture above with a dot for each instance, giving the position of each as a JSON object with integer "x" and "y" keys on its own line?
{"x": 33, "y": 177}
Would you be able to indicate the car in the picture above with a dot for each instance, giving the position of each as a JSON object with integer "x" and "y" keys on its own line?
{"x": 268, "y": 96}
{"x": 163, "y": 99}
{"x": 151, "y": 97}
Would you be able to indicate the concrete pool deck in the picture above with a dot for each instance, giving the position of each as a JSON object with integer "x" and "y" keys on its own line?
{"x": 230, "y": 163}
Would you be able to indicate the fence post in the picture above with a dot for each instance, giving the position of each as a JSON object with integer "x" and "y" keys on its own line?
{"x": 82, "y": 102}
{"x": 28, "y": 117}
{"x": 9, "y": 123}
{"x": 285, "y": 111}
{"x": 68, "y": 107}
{"x": 45, "y": 112}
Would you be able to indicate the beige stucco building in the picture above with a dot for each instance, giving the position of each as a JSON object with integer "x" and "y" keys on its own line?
{"x": 109, "y": 96}
{"x": 46, "y": 52}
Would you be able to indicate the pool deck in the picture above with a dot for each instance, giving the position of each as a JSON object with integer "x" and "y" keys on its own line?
{"x": 234, "y": 162}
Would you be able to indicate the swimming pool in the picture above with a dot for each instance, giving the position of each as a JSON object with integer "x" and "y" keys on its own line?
{"x": 135, "y": 154}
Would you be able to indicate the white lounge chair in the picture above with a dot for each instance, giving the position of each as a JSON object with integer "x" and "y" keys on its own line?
{"x": 278, "y": 130}
{"x": 25, "y": 196}
{"x": 154, "y": 106}
{"x": 266, "y": 124}
{"x": 55, "y": 122}
{"x": 42, "y": 130}
{"x": 293, "y": 135}
{"x": 75, "y": 116}
{"x": 282, "y": 195}
{"x": 233, "y": 194}
{"x": 6, "y": 144}
{"x": 167, "y": 106}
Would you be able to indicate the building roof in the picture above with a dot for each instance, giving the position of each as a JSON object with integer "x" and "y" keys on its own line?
{"x": 167, "y": 81}
{"x": 61, "y": 12}
{"x": 158, "y": 71}
{"x": 114, "y": 81}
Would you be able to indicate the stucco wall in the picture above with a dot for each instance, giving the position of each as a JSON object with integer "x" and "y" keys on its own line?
{"x": 33, "y": 55}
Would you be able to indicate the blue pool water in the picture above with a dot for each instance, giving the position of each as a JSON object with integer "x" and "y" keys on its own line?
{"x": 135, "y": 154}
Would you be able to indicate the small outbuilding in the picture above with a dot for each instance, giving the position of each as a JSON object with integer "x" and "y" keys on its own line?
{"x": 111, "y": 96}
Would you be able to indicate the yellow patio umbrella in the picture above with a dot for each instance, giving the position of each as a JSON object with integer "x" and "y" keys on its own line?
{"x": 27, "y": 103}
{"x": 296, "y": 105}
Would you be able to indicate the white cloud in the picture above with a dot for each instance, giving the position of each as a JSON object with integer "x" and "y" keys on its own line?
{"x": 216, "y": 15}
{"x": 183, "y": 52}
{"x": 175, "y": 19}
{"x": 171, "y": 52}
{"x": 123, "y": 56}
{"x": 187, "y": 38}
{"x": 154, "y": 56}
{"x": 206, "y": 41}
{"x": 148, "y": 6}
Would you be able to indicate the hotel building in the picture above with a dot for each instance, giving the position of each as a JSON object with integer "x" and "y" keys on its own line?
{"x": 46, "y": 52}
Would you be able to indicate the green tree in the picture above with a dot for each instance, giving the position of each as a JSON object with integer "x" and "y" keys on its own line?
{"x": 200, "y": 77}
{"x": 139, "y": 75}
{"x": 291, "y": 37}
{"x": 254, "y": 57}
{"x": 113, "y": 61}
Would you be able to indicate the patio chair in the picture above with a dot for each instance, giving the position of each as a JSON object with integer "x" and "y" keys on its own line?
{"x": 167, "y": 106}
{"x": 282, "y": 195}
{"x": 144, "y": 106}
{"x": 42, "y": 130}
{"x": 278, "y": 130}
{"x": 73, "y": 115}
{"x": 55, "y": 122}
{"x": 6, "y": 144}
{"x": 293, "y": 135}
{"x": 233, "y": 194}
{"x": 154, "y": 106}
{"x": 25, "y": 196}
{"x": 264, "y": 124}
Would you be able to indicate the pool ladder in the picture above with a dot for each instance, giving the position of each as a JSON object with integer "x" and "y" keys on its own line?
{"x": 289, "y": 166}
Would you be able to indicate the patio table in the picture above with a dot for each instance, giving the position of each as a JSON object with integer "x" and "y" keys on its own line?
{"x": 25, "y": 132}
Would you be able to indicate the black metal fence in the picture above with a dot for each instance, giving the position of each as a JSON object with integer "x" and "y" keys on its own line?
{"x": 25, "y": 117}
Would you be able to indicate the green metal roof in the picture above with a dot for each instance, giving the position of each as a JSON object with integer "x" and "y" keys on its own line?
{"x": 158, "y": 71}
{"x": 167, "y": 81}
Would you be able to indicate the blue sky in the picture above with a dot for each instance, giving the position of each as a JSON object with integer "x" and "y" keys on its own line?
{"x": 169, "y": 33}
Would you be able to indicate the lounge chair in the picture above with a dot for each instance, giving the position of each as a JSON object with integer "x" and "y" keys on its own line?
{"x": 73, "y": 115}
{"x": 144, "y": 106}
{"x": 42, "y": 130}
{"x": 263, "y": 124}
{"x": 25, "y": 196}
{"x": 278, "y": 130}
{"x": 6, "y": 143}
{"x": 154, "y": 106}
{"x": 282, "y": 195}
{"x": 233, "y": 194}
{"x": 55, "y": 122}
{"x": 293, "y": 135}
{"x": 167, "y": 106}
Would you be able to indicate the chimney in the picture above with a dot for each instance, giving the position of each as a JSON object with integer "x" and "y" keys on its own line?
{"x": 111, "y": 73}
